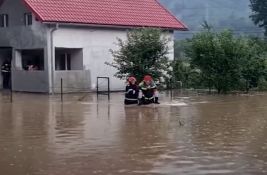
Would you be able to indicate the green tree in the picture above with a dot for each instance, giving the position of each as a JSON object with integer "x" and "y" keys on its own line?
{"x": 254, "y": 62}
{"x": 185, "y": 74}
{"x": 227, "y": 62}
{"x": 218, "y": 56}
{"x": 259, "y": 16}
{"x": 144, "y": 52}
{"x": 179, "y": 49}
{"x": 180, "y": 73}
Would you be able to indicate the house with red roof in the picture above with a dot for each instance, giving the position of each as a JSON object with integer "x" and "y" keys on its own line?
{"x": 50, "y": 40}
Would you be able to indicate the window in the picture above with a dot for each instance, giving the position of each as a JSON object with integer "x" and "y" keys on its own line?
{"x": 63, "y": 62}
{"x": 67, "y": 59}
{"x": 3, "y": 20}
{"x": 27, "y": 19}
{"x": 32, "y": 59}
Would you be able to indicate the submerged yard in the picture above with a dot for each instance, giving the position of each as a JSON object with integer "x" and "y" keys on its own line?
{"x": 191, "y": 134}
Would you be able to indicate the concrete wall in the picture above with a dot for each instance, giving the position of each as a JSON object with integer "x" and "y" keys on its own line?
{"x": 73, "y": 81}
{"x": 18, "y": 36}
{"x": 96, "y": 44}
{"x": 77, "y": 59}
{"x": 29, "y": 81}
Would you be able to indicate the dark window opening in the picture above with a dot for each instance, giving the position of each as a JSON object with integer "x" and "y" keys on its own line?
{"x": 32, "y": 60}
{"x": 68, "y": 59}
{"x": 63, "y": 62}
{"x": 27, "y": 19}
{"x": 3, "y": 20}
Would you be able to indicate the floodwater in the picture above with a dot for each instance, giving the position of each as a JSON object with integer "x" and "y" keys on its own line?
{"x": 191, "y": 134}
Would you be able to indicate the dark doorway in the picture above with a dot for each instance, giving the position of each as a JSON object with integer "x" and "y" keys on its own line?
{"x": 5, "y": 63}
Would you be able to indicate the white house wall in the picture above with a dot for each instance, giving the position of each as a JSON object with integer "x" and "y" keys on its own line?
{"x": 77, "y": 60}
{"x": 170, "y": 36}
{"x": 96, "y": 44}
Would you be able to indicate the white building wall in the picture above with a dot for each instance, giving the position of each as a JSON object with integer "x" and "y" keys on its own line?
{"x": 77, "y": 60}
{"x": 96, "y": 44}
{"x": 170, "y": 37}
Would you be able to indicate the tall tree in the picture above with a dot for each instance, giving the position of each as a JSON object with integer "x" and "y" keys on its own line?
{"x": 253, "y": 62}
{"x": 218, "y": 56}
{"x": 144, "y": 52}
{"x": 259, "y": 16}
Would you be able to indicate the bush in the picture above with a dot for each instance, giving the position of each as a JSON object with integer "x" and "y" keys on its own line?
{"x": 144, "y": 52}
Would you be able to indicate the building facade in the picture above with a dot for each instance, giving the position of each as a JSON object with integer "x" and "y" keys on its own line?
{"x": 47, "y": 40}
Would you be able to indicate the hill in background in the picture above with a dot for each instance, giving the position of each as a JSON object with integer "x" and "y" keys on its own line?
{"x": 221, "y": 14}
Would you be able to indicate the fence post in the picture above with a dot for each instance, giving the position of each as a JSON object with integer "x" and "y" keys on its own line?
{"x": 61, "y": 89}
{"x": 11, "y": 95}
{"x": 10, "y": 81}
{"x": 106, "y": 92}
{"x": 171, "y": 88}
{"x": 108, "y": 89}
{"x": 97, "y": 88}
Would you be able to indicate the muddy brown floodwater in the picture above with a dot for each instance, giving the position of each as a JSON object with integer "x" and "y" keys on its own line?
{"x": 192, "y": 135}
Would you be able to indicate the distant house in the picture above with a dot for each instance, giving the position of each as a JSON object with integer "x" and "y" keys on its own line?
{"x": 71, "y": 39}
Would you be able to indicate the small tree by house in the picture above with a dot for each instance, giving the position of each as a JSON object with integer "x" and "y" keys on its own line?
{"x": 144, "y": 52}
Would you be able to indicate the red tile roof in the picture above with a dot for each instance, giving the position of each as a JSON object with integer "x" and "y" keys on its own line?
{"x": 129, "y": 13}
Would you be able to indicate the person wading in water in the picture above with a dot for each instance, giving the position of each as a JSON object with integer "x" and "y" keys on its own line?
{"x": 6, "y": 74}
{"x": 132, "y": 91}
{"x": 148, "y": 91}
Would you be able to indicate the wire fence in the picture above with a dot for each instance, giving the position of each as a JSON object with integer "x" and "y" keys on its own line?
{"x": 64, "y": 92}
{"x": 63, "y": 88}
{"x": 102, "y": 88}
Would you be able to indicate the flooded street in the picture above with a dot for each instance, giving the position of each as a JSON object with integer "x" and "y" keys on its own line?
{"x": 192, "y": 135}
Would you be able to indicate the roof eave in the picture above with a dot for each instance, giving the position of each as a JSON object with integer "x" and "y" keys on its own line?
{"x": 178, "y": 21}
{"x": 112, "y": 25}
